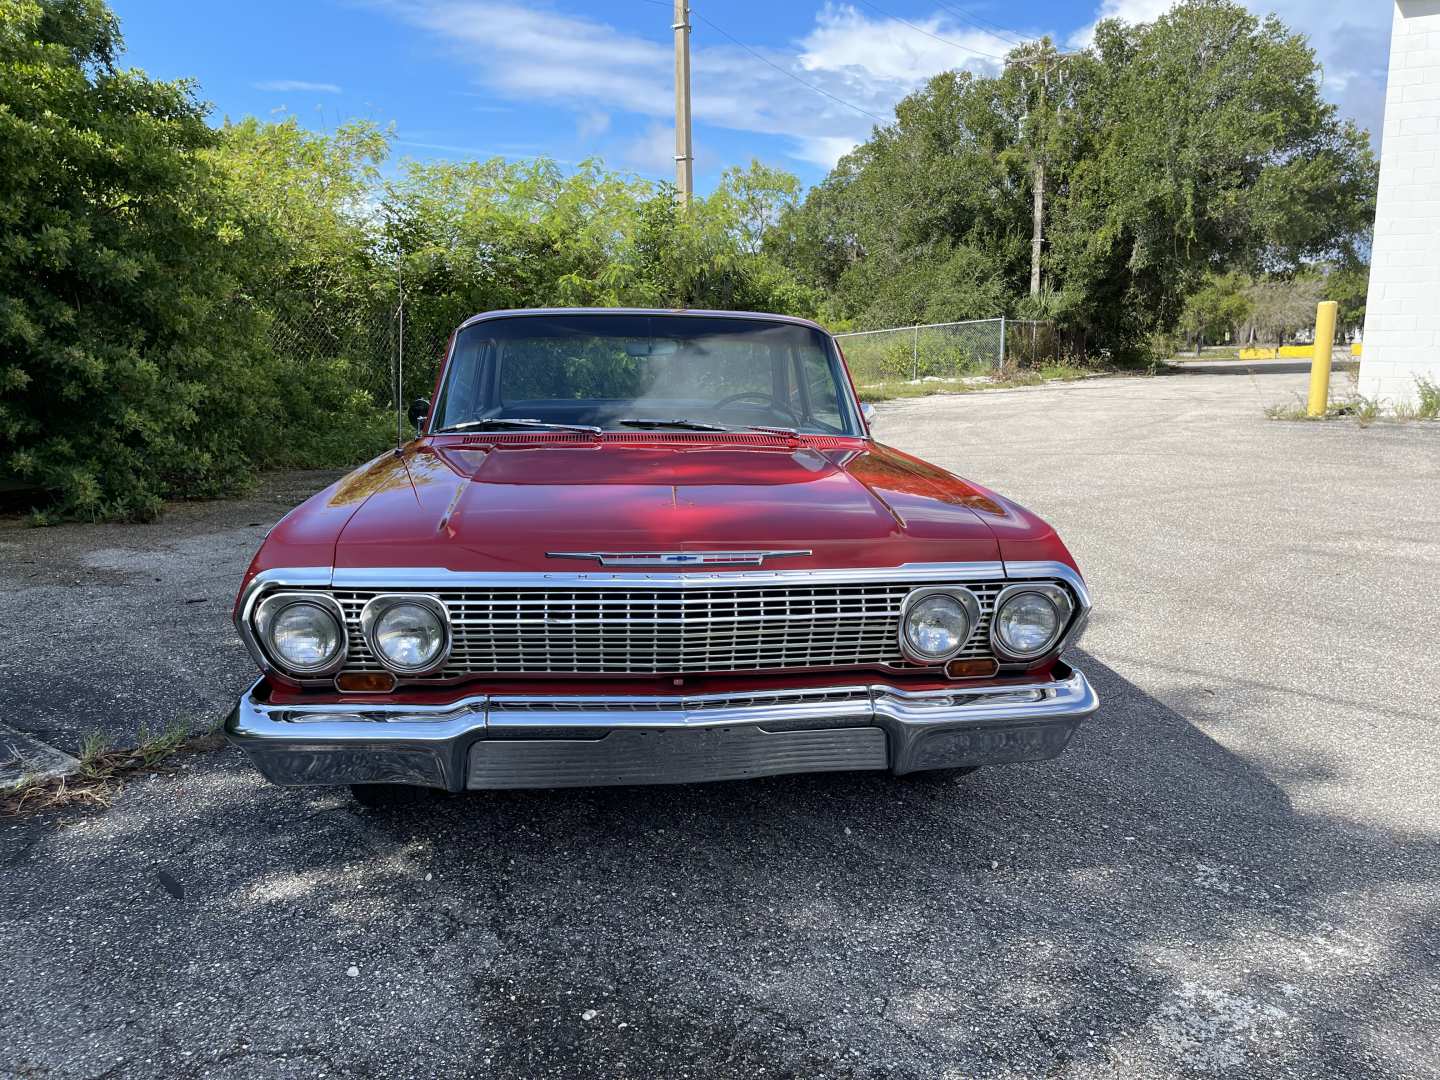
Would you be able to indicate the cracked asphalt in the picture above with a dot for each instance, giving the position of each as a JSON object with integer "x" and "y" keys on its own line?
{"x": 1233, "y": 871}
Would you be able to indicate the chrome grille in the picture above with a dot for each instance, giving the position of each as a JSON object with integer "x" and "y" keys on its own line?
{"x": 640, "y": 631}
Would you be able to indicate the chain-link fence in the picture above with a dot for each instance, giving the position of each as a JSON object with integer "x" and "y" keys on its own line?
{"x": 1031, "y": 343}
{"x": 948, "y": 352}
{"x": 378, "y": 349}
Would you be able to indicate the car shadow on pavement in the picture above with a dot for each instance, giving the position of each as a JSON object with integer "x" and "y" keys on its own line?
{"x": 1148, "y": 903}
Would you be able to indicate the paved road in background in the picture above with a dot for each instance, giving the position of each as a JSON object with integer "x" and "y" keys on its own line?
{"x": 1234, "y": 871}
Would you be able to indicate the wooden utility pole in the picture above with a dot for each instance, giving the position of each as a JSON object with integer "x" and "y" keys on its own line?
{"x": 1039, "y": 61}
{"x": 684, "y": 146}
{"x": 1037, "y": 233}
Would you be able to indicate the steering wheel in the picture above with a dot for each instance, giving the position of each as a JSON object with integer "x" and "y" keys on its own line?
{"x": 759, "y": 399}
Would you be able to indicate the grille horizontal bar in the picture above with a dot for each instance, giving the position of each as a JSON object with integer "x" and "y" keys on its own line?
{"x": 650, "y": 631}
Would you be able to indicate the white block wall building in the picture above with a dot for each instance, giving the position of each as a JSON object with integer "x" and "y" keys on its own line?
{"x": 1402, "y": 314}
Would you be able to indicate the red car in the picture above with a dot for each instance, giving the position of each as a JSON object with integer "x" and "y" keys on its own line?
{"x": 639, "y": 547}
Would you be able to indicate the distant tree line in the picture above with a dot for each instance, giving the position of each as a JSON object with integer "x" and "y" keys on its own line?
{"x": 150, "y": 261}
{"x": 1171, "y": 152}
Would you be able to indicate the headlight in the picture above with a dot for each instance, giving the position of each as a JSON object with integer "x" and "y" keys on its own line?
{"x": 1029, "y": 619}
{"x": 301, "y": 634}
{"x": 408, "y": 634}
{"x": 936, "y": 623}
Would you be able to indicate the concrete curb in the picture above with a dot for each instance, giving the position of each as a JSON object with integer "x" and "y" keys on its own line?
{"x": 25, "y": 759}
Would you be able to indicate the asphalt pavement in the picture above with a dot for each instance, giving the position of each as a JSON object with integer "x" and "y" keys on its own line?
{"x": 1233, "y": 871}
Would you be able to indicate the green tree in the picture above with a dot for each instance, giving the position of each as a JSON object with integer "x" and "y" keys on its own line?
{"x": 1204, "y": 144}
{"x": 126, "y": 336}
{"x": 1219, "y": 307}
{"x": 1193, "y": 145}
{"x": 928, "y": 221}
{"x": 751, "y": 201}
{"x": 1281, "y": 306}
{"x": 474, "y": 236}
{"x": 1349, "y": 286}
{"x": 309, "y": 194}
{"x": 319, "y": 284}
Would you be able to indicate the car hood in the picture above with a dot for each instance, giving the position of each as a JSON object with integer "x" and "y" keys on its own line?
{"x": 496, "y": 507}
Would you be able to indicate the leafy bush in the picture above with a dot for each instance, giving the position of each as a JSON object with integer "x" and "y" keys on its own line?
{"x": 180, "y": 305}
{"x": 133, "y": 367}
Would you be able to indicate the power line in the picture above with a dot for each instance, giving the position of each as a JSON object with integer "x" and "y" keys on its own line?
{"x": 980, "y": 23}
{"x": 927, "y": 33}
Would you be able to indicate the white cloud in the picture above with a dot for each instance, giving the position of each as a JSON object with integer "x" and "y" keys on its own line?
{"x": 299, "y": 86}
{"x": 877, "y": 55}
{"x": 592, "y": 123}
{"x": 825, "y": 150}
{"x": 576, "y": 61}
{"x": 542, "y": 54}
{"x": 652, "y": 151}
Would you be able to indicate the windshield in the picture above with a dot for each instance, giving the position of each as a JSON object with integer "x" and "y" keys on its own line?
{"x": 636, "y": 372}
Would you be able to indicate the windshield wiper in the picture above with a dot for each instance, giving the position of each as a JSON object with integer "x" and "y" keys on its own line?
{"x": 696, "y": 425}
{"x": 768, "y": 429}
{"x": 689, "y": 425}
{"x": 520, "y": 422}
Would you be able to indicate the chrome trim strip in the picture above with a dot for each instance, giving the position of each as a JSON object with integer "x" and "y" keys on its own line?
{"x": 708, "y": 710}
{"x": 677, "y": 558}
{"x": 413, "y": 577}
{"x": 702, "y": 313}
{"x": 441, "y": 579}
{"x": 430, "y": 744}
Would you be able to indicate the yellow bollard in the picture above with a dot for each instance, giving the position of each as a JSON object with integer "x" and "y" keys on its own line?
{"x": 1320, "y": 366}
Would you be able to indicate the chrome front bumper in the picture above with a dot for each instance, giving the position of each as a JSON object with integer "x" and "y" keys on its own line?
{"x": 505, "y": 741}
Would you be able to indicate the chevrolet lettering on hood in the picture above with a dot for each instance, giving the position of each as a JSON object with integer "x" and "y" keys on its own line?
{"x": 677, "y": 558}
{"x": 612, "y": 525}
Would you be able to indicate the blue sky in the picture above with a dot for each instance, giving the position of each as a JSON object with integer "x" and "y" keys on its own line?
{"x": 580, "y": 78}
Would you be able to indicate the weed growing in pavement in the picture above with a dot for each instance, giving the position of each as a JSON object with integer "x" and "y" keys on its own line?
{"x": 104, "y": 769}
{"x": 1291, "y": 410}
{"x": 1429, "y": 407}
{"x": 1363, "y": 410}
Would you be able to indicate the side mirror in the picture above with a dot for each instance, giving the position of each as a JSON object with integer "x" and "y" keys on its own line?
{"x": 419, "y": 411}
{"x": 868, "y": 412}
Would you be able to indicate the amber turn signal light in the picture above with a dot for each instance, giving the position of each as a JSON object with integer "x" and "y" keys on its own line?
{"x": 971, "y": 669}
{"x": 365, "y": 682}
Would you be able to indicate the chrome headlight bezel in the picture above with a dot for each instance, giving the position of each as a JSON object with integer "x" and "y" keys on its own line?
{"x": 270, "y": 606}
{"x": 968, "y": 602}
{"x": 1059, "y": 598}
{"x": 377, "y": 606}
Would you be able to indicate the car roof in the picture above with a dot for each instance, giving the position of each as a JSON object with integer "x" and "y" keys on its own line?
{"x": 507, "y": 313}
